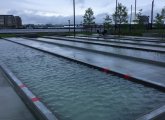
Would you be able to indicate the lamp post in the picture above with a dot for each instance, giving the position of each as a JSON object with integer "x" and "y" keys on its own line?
{"x": 69, "y": 25}
{"x": 152, "y": 12}
{"x": 116, "y": 17}
{"x": 135, "y": 9}
{"x": 131, "y": 19}
{"x": 74, "y": 18}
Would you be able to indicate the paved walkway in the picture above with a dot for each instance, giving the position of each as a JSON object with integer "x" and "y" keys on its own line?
{"x": 116, "y": 40}
{"x": 133, "y": 37}
{"x": 134, "y": 46}
{"x": 104, "y": 49}
{"x": 11, "y": 106}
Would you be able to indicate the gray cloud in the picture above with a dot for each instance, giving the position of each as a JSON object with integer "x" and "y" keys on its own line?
{"x": 80, "y": 1}
{"x": 59, "y": 12}
{"x": 32, "y": 17}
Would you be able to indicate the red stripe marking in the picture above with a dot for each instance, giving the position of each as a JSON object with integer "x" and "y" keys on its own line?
{"x": 127, "y": 76}
{"x": 22, "y": 86}
{"x": 105, "y": 70}
{"x": 35, "y": 99}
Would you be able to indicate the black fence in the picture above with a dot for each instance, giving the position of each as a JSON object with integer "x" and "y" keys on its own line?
{"x": 128, "y": 29}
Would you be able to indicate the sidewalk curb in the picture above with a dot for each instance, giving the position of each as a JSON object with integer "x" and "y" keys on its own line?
{"x": 154, "y": 115}
{"x": 34, "y": 103}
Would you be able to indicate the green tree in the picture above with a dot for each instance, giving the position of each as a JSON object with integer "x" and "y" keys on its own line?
{"x": 89, "y": 18}
{"x": 160, "y": 17}
{"x": 121, "y": 15}
{"x": 163, "y": 13}
{"x": 107, "y": 22}
{"x": 137, "y": 17}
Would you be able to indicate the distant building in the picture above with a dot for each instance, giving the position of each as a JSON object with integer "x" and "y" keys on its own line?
{"x": 18, "y": 22}
{"x": 10, "y": 21}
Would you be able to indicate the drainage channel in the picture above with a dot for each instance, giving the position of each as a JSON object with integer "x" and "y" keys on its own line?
{"x": 77, "y": 92}
{"x": 143, "y": 56}
{"x": 144, "y": 73}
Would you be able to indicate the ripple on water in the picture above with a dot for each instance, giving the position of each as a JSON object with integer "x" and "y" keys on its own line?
{"x": 76, "y": 92}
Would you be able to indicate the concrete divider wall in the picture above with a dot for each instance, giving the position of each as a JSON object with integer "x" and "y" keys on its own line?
{"x": 34, "y": 103}
{"x": 56, "y": 30}
{"x": 158, "y": 114}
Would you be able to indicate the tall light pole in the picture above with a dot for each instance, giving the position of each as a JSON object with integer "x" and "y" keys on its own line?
{"x": 74, "y": 18}
{"x": 152, "y": 12}
{"x": 69, "y": 26}
{"x": 135, "y": 9}
{"x": 131, "y": 15}
{"x": 116, "y": 17}
{"x": 131, "y": 18}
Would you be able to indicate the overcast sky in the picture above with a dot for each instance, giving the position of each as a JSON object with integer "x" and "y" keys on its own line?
{"x": 60, "y": 11}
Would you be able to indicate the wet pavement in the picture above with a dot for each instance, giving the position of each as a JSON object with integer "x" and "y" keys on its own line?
{"x": 134, "y": 38}
{"x": 131, "y": 46}
{"x": 134, "y": 54}
{"x": 126, "y": 41}
{"x": 147, "y": 72}
{"x": 12, "y": 107}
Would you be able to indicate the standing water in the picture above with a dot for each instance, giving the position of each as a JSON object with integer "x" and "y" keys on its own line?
{"x": 76, "y": 92}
